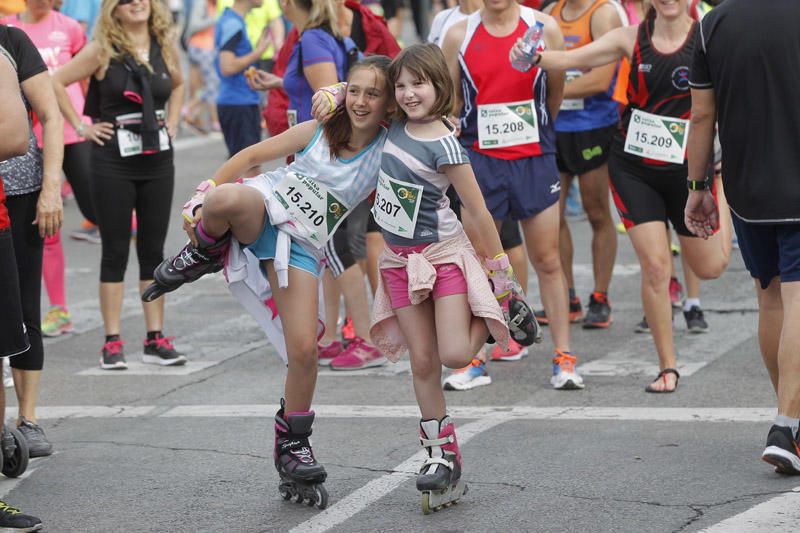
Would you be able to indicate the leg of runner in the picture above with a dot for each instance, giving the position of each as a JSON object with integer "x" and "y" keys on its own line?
{"x": 565, "y": 247}
{"x": 770, "y": 325}
{"x": 541, "y": 239}
{"x": 650, "y": 243}
{"x": 708, "y": 258}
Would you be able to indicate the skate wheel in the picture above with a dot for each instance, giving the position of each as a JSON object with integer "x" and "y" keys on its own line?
{"x": 426, "y": 503}
{"x": 284, "y": 492}
{"x": 153, "y": 291}
{"x": 15, "y": 465}
{"x": 320, "y": 497}
{"x": 298, "y": 497}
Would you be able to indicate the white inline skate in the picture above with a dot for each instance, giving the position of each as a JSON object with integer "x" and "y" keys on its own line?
{"x": 439, "y": 479}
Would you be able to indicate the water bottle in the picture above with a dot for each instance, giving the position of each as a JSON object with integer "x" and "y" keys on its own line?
{"x": 530, "y": 44}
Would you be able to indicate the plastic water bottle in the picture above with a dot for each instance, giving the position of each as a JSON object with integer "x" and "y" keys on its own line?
{"x": 530, "y": 43}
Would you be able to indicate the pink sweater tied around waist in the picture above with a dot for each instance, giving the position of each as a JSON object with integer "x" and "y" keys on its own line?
{"x": 385, "y": 330}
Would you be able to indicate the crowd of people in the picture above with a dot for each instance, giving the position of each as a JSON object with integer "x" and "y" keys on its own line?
{"x": 423, "y": 178}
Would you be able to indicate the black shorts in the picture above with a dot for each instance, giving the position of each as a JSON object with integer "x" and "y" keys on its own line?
{"x": 338, "y": 252}
{"x": 582, "y": 151}
{"x": 769, "y": 250}
{"x": 241, "y": 126}
{"x": 13, "y": 336}
{"x": 646, "y": 194}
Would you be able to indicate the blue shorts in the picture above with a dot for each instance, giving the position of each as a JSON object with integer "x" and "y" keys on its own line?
{"x": 519, "y": 188}
{"x": 299, "y": 257}
{"x": 769, "y": 250}
{"x": 241, "y": 126}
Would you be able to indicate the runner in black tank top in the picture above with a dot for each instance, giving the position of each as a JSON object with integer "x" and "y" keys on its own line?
{"x": 647, "y": 164}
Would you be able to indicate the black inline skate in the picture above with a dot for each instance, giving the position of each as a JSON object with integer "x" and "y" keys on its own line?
{"x": 14, "y": 452}
{"x": 439, "y": 479}
{"x": 190, "y": 264}
{"x": 522, "y": 324}
{"x": 302, "y": 477}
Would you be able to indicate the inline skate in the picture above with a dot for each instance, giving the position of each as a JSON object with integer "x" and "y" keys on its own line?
{"x": 14, "y": 452}
{"x": 439, "y": 479}
{"x": 302, "y": 477}
{"x": 522, "y": 324}
{"x": 190, "y": 264}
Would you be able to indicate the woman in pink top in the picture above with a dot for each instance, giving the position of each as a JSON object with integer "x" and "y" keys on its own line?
{"x": 58, "y": 38}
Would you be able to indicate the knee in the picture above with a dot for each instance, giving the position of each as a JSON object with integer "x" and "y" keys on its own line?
{"x": 221, "y": 200}
{"x": 455, "y": 356}
{"x": 656, "y": 272}
{"x": 303, "y": 355}
{"x": 548, "y": 264}
{"x": 708, "y": 268}
{"x": 424, "y": 366}
{"x": 598, "y": 213}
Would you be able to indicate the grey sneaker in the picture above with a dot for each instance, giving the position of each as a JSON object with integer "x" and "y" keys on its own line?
{"x": 38, "y": 445}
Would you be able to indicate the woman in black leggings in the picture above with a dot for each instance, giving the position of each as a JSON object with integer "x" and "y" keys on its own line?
{"x": 32, "y": 185}
{"x": 134, "y": 70}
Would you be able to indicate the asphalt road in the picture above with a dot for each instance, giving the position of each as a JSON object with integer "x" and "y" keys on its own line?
{"x": 189, "y": 449}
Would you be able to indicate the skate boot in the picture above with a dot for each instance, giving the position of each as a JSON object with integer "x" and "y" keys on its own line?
{"x": 14, "y": 450}
{"x": 191, "y": 263}
{"x": 302, "y": 477}
{"x": 439, "y": 479}
{"x": 519, "y": 316}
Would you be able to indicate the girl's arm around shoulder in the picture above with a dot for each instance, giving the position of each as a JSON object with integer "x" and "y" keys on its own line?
{"x": 289, "y": 142}
{"x": 610, "y": 47}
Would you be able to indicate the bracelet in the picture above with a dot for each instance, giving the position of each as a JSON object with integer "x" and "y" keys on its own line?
{"x": 537, "y": 60}
{"x": 697, "y": 185}
{"x": 80, "y": 130}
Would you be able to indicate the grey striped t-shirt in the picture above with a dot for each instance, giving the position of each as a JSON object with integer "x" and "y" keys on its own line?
{"x": 417, "y": 161}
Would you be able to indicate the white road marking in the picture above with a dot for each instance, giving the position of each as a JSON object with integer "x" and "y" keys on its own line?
{"x": 7, "y": 484}
{"x": 504, "y": 413}
{"x": 695, "y": 351}
{"x": 781, "y": 513}
{"x": 376, "y": 489}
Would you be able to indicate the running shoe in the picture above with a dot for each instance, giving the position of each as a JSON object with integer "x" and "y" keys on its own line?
{"x": 675, "y": 292}
{"x": 8, "y": 378}
{"x": 598, "y": 312}
{"x": 782, "y": 451}
{"x": 57, "y": 322}
{"x": 621, "y": 228}
{"x": 328, "y": 352}
{"x": 515, "y": 352}
{"x": 87, "y": 232}
{"x": 695, "y": 322}
{"x": 113, "y": 356}
{"x": 469, "y": 377}
{"x": 643, "y": 326}
{"x": 565, "y": 377}
{"x": 358, "y": 355}
{"x": 675, "y": 248}
{"x": 573, "y": 207}
{"x": 575, "y": 313}
{"x": 348, "y": 331}
{"x": 38, "y": 445}
{"x": 160, "y": 351}
{"x": 12, "y": 519}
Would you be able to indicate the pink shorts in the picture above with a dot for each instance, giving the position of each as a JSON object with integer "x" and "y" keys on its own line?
{"x": 449, "y": 279}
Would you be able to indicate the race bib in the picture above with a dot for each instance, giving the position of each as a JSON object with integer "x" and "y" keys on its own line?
{"x": 657, "y": 137}
{"x": 312, "y": 207}
{"x": 572, "y": 104}
{"x": 130, "y": 143}
{"x": 291, "y": 117}
{"x": 397, "y": 205}
{"x": 511, "y": 124}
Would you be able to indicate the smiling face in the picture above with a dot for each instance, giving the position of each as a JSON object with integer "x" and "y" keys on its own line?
{"x": 134, "y": 12}
{"x": 671, "y": 9}
{"x": 415, "y": 97}
{"x": 366, "y": 98}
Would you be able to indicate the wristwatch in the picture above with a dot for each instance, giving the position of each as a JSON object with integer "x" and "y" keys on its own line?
{"x": 697, "y": 185}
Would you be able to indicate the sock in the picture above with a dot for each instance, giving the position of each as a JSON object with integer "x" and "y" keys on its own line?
{"x": 206, "y": 237}
{"x": 788, "y": 422}
{"x": 688, "y": 303}
{"x": 110, "y": 338}
{"x": 53, "y": 271}
{"x": 153, "y": 335}
{"x": 572, "y": 293}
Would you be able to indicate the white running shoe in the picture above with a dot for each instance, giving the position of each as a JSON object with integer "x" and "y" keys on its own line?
{"x": 469, "y": 377}
{"x": 565, "y": 377}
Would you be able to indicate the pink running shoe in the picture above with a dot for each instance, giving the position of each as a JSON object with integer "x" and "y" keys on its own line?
{"x": 348, "y": 331}
{"x": 357, "y": 356}
{"x": 328, "y": 352}
{"x": 676, "y": 292}
{"x": 515, "y": 352}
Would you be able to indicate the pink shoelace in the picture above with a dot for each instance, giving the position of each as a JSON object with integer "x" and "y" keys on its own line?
{"x": 164, "y": 342}
{"x": 113, "y": 347}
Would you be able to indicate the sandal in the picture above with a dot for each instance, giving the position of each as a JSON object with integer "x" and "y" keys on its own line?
{"x": 663, "y": 376}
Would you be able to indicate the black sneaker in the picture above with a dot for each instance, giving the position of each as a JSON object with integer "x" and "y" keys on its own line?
{"x": 12, "y": 519}
{"x": 695, "y": 322}
{"x": 522, "y": 324}
{"x": 782, "y": 451}
{"x": 191, "y": 263}
{"x": 38, "y": 445}
{"x": 643, "y": 326}
{"x": 113, "y": 356}
{"x": 160, "y": 351}
{"x": 575, "y": 313}
{"x": 598, "y": 313}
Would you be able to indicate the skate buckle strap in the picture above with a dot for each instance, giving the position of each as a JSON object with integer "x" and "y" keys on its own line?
{"x": 438, "y": 461}
{"x": 437, "y": 442}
